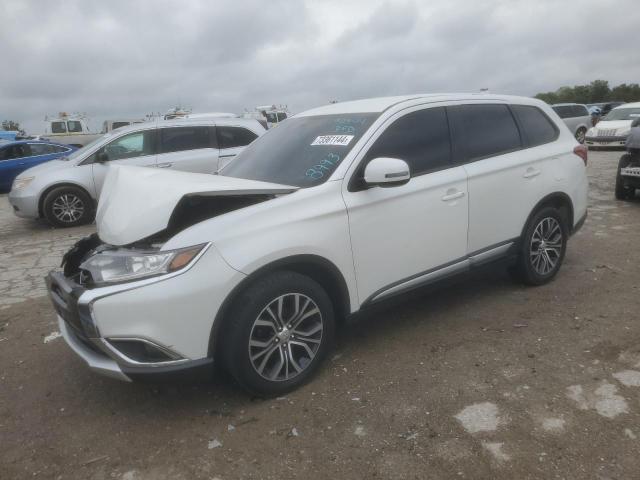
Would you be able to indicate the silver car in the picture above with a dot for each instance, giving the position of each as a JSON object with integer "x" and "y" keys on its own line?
{"x": 65, "y": 191}
{"x": 576, "y": 116}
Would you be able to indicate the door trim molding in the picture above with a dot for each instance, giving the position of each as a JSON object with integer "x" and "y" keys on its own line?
{"x": 472, "y": 260}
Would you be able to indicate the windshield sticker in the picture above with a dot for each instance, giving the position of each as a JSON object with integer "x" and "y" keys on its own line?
{"x": 348, "y": 129}
{"x": 338, "y": 140}
{"x": 325, "y": 166}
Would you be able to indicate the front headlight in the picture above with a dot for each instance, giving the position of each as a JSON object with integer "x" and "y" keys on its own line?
{"x": 591, "y": 132}
{"x": 623, "y": 132}
{"x": 114, "y": 266}
{"x": 19, "y": 183}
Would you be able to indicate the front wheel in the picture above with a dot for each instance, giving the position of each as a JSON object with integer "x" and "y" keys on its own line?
{"x": 278, "y": 332}
{"x": 581, "y": 134}
{"x": 542, "y": 248}
{"x": 67, "y": 207}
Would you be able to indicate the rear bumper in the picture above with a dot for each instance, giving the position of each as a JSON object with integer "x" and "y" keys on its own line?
{"x": 579, "y": 224}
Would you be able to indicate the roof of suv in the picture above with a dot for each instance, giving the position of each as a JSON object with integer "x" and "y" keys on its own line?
{"x": 568, "y": 104}
{"x": 187, "y": 121}
{"x": 380, "y": 104}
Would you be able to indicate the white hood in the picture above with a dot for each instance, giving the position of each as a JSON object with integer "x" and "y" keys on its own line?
{"x": 137, "y": 202}
{"x": 613, "y": 124}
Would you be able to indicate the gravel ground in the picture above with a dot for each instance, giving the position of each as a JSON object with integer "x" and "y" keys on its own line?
{"x": 479, "y": 379}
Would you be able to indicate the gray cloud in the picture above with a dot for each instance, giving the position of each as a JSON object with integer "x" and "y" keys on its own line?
{"x": 123, "y": 58}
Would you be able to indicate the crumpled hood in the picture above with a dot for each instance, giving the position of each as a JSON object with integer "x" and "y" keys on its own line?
{"x": 137, "y": 202}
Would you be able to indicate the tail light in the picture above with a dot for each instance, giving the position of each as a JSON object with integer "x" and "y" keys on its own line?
{"x": 581, "y": 151}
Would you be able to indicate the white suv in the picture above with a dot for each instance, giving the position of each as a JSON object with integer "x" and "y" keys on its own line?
{"x": 338, "y": 208}
{"x": 65, "y": 191}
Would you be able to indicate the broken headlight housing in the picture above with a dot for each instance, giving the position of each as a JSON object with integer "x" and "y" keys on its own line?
{"x": 122, "y": 265}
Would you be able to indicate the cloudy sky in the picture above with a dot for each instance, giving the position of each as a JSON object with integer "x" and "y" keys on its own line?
{"x": 121, "y": 58}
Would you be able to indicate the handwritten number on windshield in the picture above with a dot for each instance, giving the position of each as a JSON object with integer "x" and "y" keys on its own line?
{"x": 325, "y": 166}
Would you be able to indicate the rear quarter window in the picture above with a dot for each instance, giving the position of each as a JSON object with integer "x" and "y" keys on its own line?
{"x": 229, "y": 137}
{"x": 537, "y": 128}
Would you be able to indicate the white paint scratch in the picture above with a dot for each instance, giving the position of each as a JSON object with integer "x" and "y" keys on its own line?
{"x": 630, "y": 434}
{"x": 605, "y": 399}
{"x": 629, "y": 378}
{"x": 359, "y": 431}
{"x": 52, "y": 336}
{"x": 553, "y": 424}
{"x": 479, "y": 417}
{"x": 495, "y": 449}
{"x": 215, "y": 443}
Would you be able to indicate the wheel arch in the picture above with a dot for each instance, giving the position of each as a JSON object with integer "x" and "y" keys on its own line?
{"x": 318, "y": 268}
{"x": 50, "y": 188}
{"x": 559, "y": 200}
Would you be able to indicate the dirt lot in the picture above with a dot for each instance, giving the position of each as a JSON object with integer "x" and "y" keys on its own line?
{"x": 480, "y": 379}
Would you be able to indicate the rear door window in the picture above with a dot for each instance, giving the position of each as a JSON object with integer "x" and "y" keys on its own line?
{"x": 230, "y": 137}
{"x": 179, "y": 139}
{"x": 580, "y": 111}
{"x": 419, "y": 138}
{"x": 537, "y": 128}
{"x": 484, "y": 130}
{"x": 564, "y": 111}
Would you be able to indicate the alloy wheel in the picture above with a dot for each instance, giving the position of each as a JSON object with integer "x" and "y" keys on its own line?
{"x": 545, "y": 247}
{"x": 580, "y": 136}
{"x": 285, "y": 337}
{"x": 68, "y": 208}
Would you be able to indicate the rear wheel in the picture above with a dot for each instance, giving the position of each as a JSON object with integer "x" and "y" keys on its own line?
{"x": 623, "y": 192}
{"x": 580, "y": 135}
{"x": 67, "y": 207}
{"x": 279, "y": 331}
{"x": 543, "y": 246}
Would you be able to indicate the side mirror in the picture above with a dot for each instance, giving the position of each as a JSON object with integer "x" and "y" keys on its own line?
{"x": 386, "y": 172}
{"x": 102, "y": 157}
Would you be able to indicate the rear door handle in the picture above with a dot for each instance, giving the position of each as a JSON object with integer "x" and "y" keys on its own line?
{"x": 228, "y": 155}
{"x": 532, "y": 172}
{"x": 164, "y": 165}
{"x": 452, "y": 195}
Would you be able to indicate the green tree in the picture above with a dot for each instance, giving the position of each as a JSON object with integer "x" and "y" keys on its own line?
{"x": 599, "y": 91}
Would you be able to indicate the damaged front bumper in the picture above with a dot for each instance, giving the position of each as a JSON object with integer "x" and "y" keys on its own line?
{"x": 153, "y": 329}
{"x": 73, "y": 305}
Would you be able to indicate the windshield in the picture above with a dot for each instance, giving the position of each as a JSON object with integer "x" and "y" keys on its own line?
{"x": 303, "y": 151}
{"x": 623, "y": 114}
{"x": 86, "y": 148}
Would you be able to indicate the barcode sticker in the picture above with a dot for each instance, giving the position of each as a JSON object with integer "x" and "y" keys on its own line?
{"x": 341, "y": 140}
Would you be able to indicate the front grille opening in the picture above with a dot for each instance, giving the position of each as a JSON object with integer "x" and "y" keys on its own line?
{"x": 141, "y": 351}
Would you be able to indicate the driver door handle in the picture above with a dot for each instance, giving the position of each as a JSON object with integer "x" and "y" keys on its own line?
{"x": 164, "y": 165}
{"x": 532, "y": 172}
{"x": 452, "y": 195}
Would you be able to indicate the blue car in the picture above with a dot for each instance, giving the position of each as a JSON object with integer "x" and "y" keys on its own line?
{"x": 17, "y": 156}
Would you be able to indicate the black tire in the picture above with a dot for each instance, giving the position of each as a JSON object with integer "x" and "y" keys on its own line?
{"x": 622, "y": 192}
{"x": 243, "y": 361}
{"x": 533, "y": 257}
{"x": 68, "y": 207}
{"x": 580, "y": 135}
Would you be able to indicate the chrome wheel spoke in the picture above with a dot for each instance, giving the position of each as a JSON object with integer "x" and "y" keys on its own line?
{"x": 545, "y": 247}
{"x": 285, "y": 337}
{"x": 68, "y": 208}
